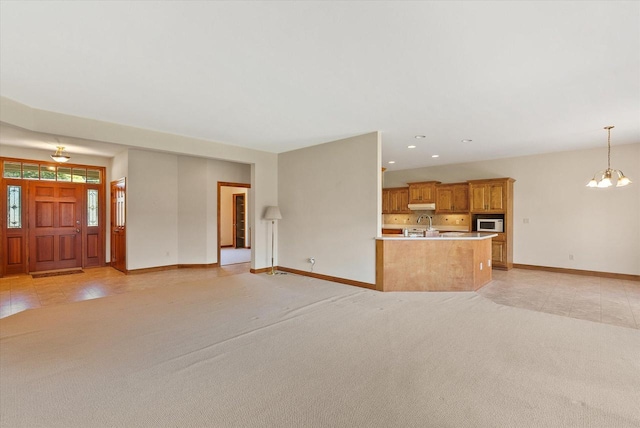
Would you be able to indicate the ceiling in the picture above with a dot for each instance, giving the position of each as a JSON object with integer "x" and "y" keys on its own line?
{"x": 516, "y": 78}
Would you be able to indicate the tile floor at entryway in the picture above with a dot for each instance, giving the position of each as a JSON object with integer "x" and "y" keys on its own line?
{"x": 609, "y": 301}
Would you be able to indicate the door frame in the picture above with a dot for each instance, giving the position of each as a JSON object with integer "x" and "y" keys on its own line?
{"x": 25, "y": 233}
{"x": 222, "y": 184}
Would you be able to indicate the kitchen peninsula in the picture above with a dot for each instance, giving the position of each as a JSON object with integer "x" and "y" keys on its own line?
{"x": 447, "y": 262}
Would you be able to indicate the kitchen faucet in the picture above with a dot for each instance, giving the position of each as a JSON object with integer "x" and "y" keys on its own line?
{"x": 430, "y": 221}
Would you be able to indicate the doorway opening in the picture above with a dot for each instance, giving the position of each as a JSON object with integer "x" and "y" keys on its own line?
{"x": 234, "y": 230}
{"x": 118, "y": 225}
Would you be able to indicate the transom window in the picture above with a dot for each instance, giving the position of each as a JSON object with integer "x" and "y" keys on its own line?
{"x": 50, "y": 172}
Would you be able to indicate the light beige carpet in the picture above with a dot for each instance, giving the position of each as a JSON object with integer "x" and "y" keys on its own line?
{"x": 288, "y": 351}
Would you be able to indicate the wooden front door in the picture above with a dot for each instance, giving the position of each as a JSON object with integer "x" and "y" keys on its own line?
{"x": 118, "y": 225}
{"x": 239, "y": 220}
{"x": 55, "y": 226}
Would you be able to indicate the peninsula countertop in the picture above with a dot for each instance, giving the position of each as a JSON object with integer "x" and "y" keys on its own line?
{"x": 444, "y": 236}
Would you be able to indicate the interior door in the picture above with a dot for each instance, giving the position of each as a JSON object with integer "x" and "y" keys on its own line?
{"x": 239, "y": 224}
{"x": 118, "y": 225}
{"x": 55, "y": 226}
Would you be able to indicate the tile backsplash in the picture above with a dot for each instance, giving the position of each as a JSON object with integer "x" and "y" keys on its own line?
{"x": 438, "y": 219}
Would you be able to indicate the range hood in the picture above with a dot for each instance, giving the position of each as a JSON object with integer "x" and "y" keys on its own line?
{"x": 422, "y": 207}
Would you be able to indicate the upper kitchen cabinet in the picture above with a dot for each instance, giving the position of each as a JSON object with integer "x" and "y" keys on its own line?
{"x": 385, "y": 201}
{"x": 490, "y": 196}
{"x": 423, "y": 192}
{"x": 395, "y": 200}
{"x": 452, "y": 198}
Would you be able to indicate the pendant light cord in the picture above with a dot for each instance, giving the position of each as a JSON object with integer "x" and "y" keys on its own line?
{"x": 609, "y": 148}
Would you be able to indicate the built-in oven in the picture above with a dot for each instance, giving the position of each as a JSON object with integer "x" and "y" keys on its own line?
{"x": 490, "y": 225}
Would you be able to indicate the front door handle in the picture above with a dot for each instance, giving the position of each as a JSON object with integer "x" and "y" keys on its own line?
{"x": 77, "y": 230}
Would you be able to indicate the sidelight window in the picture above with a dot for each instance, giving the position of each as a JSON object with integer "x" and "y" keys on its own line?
{"x": 14, "y": 207}
{"x": 92, "y": 207}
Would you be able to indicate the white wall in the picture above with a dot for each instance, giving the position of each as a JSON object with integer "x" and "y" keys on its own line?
{"x": 329, "y": 196}
{"x": 599, "y": 227}
{"x": 263, "y": 165}
{"x": 152, "y": 209}
{"x": 226, "y": 215}
{"x": 192, "y": 210}
{"x": 119, "y": 167}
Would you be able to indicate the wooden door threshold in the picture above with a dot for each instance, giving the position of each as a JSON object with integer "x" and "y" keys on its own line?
{"x": 57, "y": 272}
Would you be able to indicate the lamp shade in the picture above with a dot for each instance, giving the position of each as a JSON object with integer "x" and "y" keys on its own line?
{"x": 272, "y": 213}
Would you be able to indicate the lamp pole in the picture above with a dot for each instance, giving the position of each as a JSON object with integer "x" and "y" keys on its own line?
{"x": 273, "y": 222}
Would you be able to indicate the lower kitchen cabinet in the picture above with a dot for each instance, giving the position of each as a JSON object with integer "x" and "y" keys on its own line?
{"x": 500, "y": 258}
{"x": 498, "y": 254}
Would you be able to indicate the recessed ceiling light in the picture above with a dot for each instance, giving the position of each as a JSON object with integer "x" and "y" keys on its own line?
{"x": 411, "y": 147}
{"x": 466, "y": 141}
{"x": 435, "y": 156}
{"x": 420, "y": 136}
{"x": 392, "y": 161}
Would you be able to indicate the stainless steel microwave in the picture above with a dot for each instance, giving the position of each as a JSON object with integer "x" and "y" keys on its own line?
{"x": 490, "y": 225}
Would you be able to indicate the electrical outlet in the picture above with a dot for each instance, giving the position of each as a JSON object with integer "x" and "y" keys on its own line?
{"x": 311, "y": 260}
{"x": 570, "y": 256}
{"x": 525, "y": 220}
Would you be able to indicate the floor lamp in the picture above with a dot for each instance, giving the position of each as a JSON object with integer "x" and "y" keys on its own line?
{"x": 273, "y": 214}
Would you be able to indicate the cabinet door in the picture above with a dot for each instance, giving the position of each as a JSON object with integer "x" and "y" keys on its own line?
{"x": 495, "y": 197}
{"x": 415, "y": 194}
{"x": 422, "y": 193}
{"x": 498, "y": 253}
{"x": 386, "y": 203}
{"x": 444, "y": 199}
{"x": 460, "y": 198}
{"x": 403, "y": 201}
{"x": 478, "y": 192}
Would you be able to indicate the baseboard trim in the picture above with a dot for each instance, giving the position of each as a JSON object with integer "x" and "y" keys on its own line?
{"x": 198, "y": 266}
{"x": 261, "y": 270}
{"x": 171, "y": 267}
{"x": 328, "y": 278}
{"x": 151, "y": 269}
{"x": 579, "y": 272}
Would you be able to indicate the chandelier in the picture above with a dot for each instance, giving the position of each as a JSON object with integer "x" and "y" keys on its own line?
{"x": 603, "y": 179}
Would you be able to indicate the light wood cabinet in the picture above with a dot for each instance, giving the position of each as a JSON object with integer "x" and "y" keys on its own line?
{"x": 452, "y": 198}
{"x": 488, "y": 196}
{"x": 495, "y": 196}
{"x": 499, "y": 251}
{"x": 386, "y": 203}
{"x": 392, "y": 231}
{"x": 423, "y": 192}
{"x": 395, "y": 200}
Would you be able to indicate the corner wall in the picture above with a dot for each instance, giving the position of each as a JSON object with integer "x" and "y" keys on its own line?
{"x": 600, "y": 228}
{"x": 329, "y": 196}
